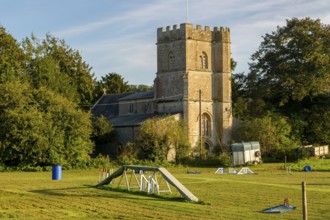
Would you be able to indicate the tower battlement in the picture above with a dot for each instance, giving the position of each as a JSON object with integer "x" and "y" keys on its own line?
{"x": 188, "y": 31}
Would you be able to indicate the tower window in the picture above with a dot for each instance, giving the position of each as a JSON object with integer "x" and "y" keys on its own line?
{"x": 171, "y": 60}
{"x": 206, "y": 125}
{"x": 203, "y": 60}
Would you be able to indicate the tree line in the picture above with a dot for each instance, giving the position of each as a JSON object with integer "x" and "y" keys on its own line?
{"x": 284, "y": 100}
{"x": 46, "y": 91}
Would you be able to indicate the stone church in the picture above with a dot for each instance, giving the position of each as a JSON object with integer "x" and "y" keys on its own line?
{"x": 193, "y": 83}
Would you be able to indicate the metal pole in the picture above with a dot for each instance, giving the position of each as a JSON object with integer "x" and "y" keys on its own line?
{"x": 187, "y": 11}
{"x": 200, "y": 123}
{"x": 304, "y": 199}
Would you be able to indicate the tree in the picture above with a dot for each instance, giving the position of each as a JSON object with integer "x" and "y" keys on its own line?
{"x": 55, "y": 65}
{"x": 290, "y": 75}
{"x": 103, "y": 132}
{"x": 12, "y": 58}
{"x": 114, "y": 83}
{"x": 40, "y": 127}
{"x": 41, "y": 85}
{"x": 157, "y": 135}
{"x": 318, "y": 118}
{"x": 238, "y": 86}
{"x": 272, "y": 131}
{"x": 292, "y": 63}
{"x": 140, "y": 88}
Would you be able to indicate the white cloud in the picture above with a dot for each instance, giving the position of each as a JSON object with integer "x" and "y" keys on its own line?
{"x": 121, "y": 35}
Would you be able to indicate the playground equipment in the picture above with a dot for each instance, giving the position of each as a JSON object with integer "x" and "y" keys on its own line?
{"x": 150, "y": 184}
{"x": 280, "y": 208}
{"x": 220, "y": 170}
{"x": 104, "y": 173}
{"x": 244, "y": 170}
{"x": 193, "y": 172}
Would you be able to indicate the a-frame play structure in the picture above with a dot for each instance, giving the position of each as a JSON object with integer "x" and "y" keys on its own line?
{"x": 150, "y": 184}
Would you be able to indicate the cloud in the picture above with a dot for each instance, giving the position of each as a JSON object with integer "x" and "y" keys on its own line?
{"x": 136, "y": 17}
{"x": 124, "y": 41}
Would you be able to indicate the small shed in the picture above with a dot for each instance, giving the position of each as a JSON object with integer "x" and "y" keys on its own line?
{"x": 246, "y": 152}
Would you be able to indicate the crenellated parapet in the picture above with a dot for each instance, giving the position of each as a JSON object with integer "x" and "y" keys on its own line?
{"x": 221, "y": 34}
{"x": 187, "y": 31}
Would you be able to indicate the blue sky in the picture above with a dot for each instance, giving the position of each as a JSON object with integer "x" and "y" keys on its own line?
{"x": 120, "y": 35}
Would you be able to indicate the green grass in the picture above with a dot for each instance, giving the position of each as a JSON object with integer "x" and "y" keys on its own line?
{"x": 33, "y": 195}
{"x": 316, "y": 164}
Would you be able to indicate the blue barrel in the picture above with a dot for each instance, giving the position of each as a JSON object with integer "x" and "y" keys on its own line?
{"x": 307, "y": 168}
{"x": 56, "y": 172}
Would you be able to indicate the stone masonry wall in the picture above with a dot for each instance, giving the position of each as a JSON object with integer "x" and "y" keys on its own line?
{"x": 190, "y": 59}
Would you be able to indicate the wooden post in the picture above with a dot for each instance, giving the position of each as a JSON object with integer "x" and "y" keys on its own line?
{"x": 304, "y": 201}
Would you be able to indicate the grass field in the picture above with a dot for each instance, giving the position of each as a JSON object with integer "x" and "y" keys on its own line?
{"x": 33, "y": 195}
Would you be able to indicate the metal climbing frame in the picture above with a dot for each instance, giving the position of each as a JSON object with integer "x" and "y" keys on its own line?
{"x": 150, "y": 184}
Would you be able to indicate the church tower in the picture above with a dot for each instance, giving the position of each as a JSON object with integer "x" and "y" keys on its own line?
{"x": 194, "y": 79}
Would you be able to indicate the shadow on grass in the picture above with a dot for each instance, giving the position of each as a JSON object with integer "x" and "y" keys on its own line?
{"x": 113, "y": 193}
{"x": 142, "y": 194}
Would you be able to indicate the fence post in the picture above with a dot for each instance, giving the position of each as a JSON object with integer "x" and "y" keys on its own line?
{"x": 304, "y": 200}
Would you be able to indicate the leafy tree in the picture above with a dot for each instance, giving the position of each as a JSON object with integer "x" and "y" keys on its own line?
{"x": 71, "y": 123}
{"x": 114, "y": 83}
{"x": 41, "y": 83}
{"x": 140, "y": 88}
{"x": 238, "y": 86}
{"x": 11, "y": 57}
{"x": 233, "y": 64}
{"x": 157, "y": 135}
{"x": 40, "y": 127}
{"x": 318, "y": 117}
{"x": 272, "y": 131}
{"x": 103, "y": 132}
{"x": 240, "y": 108}
{"x": 290, "y": 75}
{"x": 52, "y": 63}
{"x": 292, "y": 63}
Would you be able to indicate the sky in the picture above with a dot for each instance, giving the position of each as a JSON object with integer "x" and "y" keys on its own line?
{"x": 120, "y": 35}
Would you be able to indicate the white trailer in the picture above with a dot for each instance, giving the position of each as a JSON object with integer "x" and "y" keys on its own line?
{"x": 317, "y": 151}
{"x": 246, "y": 152}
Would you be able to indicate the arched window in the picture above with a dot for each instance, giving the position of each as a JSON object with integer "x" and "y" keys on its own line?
{"x": 206, "y": 125}
{"x": 171, "y": 60}
{"x": 203, "y": 60}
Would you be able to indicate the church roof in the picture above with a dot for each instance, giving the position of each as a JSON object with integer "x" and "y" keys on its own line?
{"x": 138, "y": 95}
{"x": 130, "y": 120}
{"x": 107, "y": 105}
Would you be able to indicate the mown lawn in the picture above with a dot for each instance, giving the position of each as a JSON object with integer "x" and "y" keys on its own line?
{"x": 33, "y": 195}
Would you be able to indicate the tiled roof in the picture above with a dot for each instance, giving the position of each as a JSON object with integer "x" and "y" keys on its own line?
{"x": 107, "y": 105}
{"x": 138, "y": 95}
{"x": 130, "y": 120}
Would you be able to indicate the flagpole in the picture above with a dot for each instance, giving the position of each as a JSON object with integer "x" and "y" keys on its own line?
{"x": 187, "y": 11}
